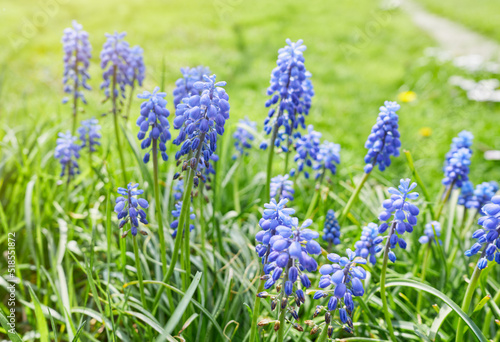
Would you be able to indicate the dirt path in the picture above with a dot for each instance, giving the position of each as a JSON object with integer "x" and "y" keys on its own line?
{"x": 452, "y": 37}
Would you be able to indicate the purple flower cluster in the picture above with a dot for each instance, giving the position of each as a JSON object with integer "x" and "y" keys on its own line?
{"x": 177, "y": 213}
{"x": 369, "y": 243}
{"x": 489, "y": 235}
{"x": 243, "y": 136}
{"x": 307, "y": 147}
{"x": 328, "y": 157}
{"x": 345, "y": 276}
{"x": 331, "y": 230}
{"x": 89, "y": 134}
{"x": 136, "y": 69}
{"x": 456, "y": 168}
{"x": 128, "y": 207}
{"x": 429, "y": 233}
{"x": 68, "y": 152}
{"x": 476, "y": 198}
{"x": 403, "y": 215}
{"x": 77, "y": 54}
{"x": 200, "y": 118}
{"x": 282, "y": 186}
{"x": 383, "y": 141}
{"x": 290, "y": 90}
{"x": 153, "y": 118}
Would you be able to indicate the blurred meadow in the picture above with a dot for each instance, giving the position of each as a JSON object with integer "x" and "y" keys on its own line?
{"x": 360, "y": 54}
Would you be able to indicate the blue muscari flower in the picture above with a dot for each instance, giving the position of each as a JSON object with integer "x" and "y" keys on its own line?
{"x": 89, "y": 134}
{"x": 369, "y": 243}
{"x": 489, "y": 235}
{"x": 290, "y": 90}
{"x": 456, "y": 171}
{"x": 476, "y": 198}
{"x": 68, "y": 152}
{"x": 200, "y": 118}
{"x": 345, "y": 275}
{"x": 327, "y": 158}
{"x": 177, "y": 213}
{"x": 429, "y": 233}
{"x": 129, "y": 207}
{"x": 153, "y": 118}
{"x": 115, "y": 56}
{"x": 136, "y": 69}
{"x": 282, "y": 186}
{"x": 184, "y": 85}
{"x": 463, "y": 140}
{"x": 243, "y": 136}
{"x": 307, "y": 148}
{"x": 178, "y": 189}
{"x": 405, "y": 215}
{"x": 331, "y": 231}
{"x": 466, "y": 194}
{"x": 383, "y": 141}
{"x": 77, "y": 54}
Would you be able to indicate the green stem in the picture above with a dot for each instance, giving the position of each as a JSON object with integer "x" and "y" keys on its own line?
{"x": 315, "y": 198}
{"x": 467, "y": 301}
{"x": 256, "y": 311}
{"x": 139, "y": 274}
{"x": 451, "y": 216}
{"x": 382, "y": 284}
{"x": 324, "y": 334}
{"x": 420, "y": 183}
{"x": 353, "y": 198}
{"x": 236, "y": 191}
{"x": 130, "y": 99}
{"x": 422, "y": 275}
{"x": 444, "y": 200}
{"x": 270, "y": 164}
{"x": 117, "y": 131}
{"x": 159, "y": 218}
{"x": 281, "y": 331}
{"x": 203, "y": 237}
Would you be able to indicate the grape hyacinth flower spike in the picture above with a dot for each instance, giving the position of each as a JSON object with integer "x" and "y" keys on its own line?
{"x": 331, "y": 231}
{"x": 429, "y": 236}
{"x": 282, "y": 186}
{"x": 136, "y": 69}
{"x": 89, "y": 134}
{"x": 401, "y": 215}
{"x": 243, "y": 136}
{"x": 328, "y": 157}
{"x": 369, "y": 244}
{"x": 129, "y": 208}
{"x": 200, "y": 119}
{"x": 457, "y": 170}
{"x": 489, "y": 235}
{"x": 115, "y": 56}
{"x": 77, "y": 54}
{"x": 68, "y": 152}
{"x": 177, "y": 213}
{"x": 383, "y": 141}
{"x": 307, "y": 148}
{"x": 346, "y": 277}
{"x": 153, "y": 118}
{"x": 476, "y": 198}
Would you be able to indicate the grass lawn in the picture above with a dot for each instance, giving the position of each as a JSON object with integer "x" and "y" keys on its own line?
{"x": 68, "y": 246}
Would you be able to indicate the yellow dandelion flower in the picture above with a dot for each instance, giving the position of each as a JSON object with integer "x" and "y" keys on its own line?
{"x": 407, "y": 96}
{"x": 425, "y": 131}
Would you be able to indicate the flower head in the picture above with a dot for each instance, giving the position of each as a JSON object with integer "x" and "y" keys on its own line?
{"x": 136, "y": 69}
{"x": 345, "y": 276}
{"x": 178, "y": 189}
{"x": 383, "y": 141}
{"x": 243, "y": 136}
{"x": 429, "y": 233}
{"x": 290, "y": 90}
{"x": 114, "y": 61}
{"x": 369, "y": 243}
{"x": 327, "y": 158}
{"x": 307, "y": 149}
{"x": 129, "y": 208}
{"x": 331, "y": 231}
{"x": 184, "y": 85}
{"x": 68, "y": 152}
{"x": 282, "y": 186}
{"x": 77, "y": 54}
{"x": 489, "y": 235}
{"x": 456, "y": 171}
{"x": 153, "y": 118}
{"x": 476, "y": 198}
{"x": 401, "y": 214}
{"x": 89, "y": 134}
{"x": 200, "y": 118}
{"x": 177, "y": 213}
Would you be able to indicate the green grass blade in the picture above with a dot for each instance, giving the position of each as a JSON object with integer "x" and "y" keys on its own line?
{"x": 41, "y": 321}
{"x": 14, "y": 337}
